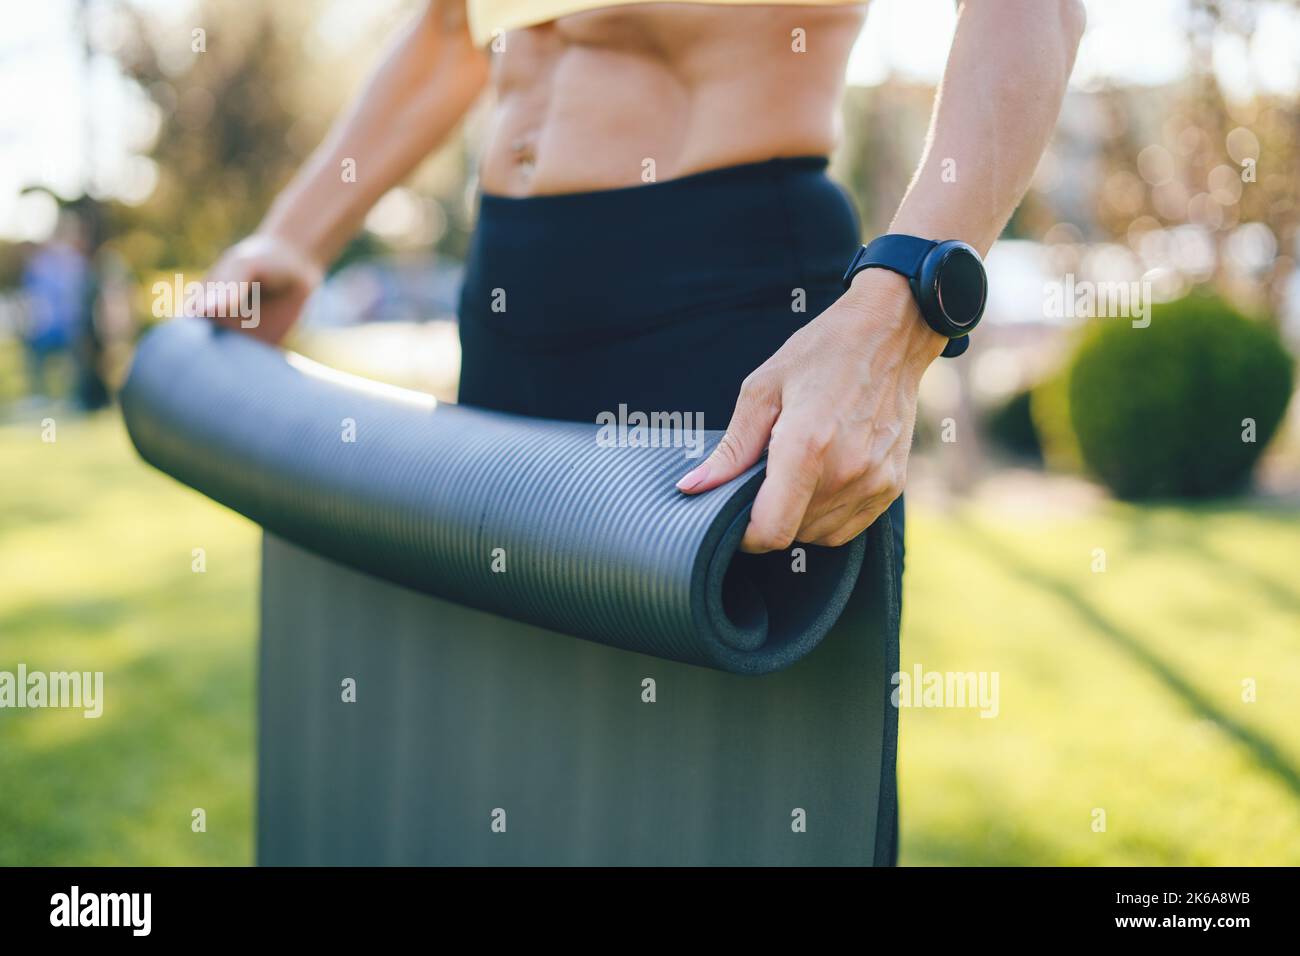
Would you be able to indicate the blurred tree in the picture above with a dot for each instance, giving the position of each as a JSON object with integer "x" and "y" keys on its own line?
{"x": 238, "y": 116}
{"x": 222, "y": 150}
{"x": 1210, "y": 161}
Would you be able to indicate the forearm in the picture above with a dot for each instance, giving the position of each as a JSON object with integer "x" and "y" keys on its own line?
{"x": 994, "y": 113}
{"x": 422, "y": 87}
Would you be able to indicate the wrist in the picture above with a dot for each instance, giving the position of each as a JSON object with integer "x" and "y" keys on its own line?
{"x": 883, "y": 303}
{"x": 307, "y": 227}
{"x": 291, "y": 240}
{"x": 289, "y": 249}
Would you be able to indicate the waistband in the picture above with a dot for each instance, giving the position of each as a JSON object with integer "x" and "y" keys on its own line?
{"x": 642, "y": 255}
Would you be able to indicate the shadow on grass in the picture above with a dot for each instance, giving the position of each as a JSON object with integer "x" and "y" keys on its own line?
{"x": 1149, "y": 531}
{"x": 176, "y": 731}
{"x": 1262, "y": 749}
{"x": 119, "y": 789}
{"x": 70, "y": 616}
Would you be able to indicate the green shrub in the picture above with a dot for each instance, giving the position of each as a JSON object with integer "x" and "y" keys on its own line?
{"x": 1049, "y": 407}
{"x": 1161, "y": 411}
{"x": 1010, "y": 427}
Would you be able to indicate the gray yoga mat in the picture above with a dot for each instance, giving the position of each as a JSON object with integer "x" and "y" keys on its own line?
{"x": 419, "y": 705}
{"x": 461, "y": 716}
{"x": 531, "y": 519}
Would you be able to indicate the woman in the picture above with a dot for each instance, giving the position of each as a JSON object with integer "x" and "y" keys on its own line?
{"x": 656, "y": 228}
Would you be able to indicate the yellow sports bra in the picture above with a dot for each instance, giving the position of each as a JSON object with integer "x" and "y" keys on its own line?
{"x": 487, "y": 17}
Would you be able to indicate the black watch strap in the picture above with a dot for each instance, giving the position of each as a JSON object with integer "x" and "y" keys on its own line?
{"x": 895, "y": 252}
{"x": 956, "y": 347}
{"x": 902, "y": 254}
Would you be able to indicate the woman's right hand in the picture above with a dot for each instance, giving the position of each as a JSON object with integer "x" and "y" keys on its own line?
{"x": 259, "y": 286}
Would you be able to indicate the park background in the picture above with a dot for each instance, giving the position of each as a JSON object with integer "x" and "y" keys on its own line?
{"x": 1127, "y": 566}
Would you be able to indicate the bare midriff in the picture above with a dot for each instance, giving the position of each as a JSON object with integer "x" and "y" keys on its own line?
{"x": 651, "y": 92}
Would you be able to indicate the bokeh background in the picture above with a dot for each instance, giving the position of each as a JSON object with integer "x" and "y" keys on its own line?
{"x": 1107, "y": 516}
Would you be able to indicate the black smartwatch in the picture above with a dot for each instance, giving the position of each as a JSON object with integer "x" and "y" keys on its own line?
{"x": 947, "y": 280}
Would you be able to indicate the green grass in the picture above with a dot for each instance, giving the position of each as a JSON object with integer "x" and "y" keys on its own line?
{"x": 1118, "y": 690}
{"x": 95, "y": 575}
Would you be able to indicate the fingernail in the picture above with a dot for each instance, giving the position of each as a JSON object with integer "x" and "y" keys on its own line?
{"x": 693, "y": 479}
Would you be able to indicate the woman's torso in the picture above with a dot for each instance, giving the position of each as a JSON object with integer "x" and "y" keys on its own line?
{"x": 651, "y": 92}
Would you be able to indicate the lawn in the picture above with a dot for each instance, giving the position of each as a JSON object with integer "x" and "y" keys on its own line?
{"x": 1120, "y": 690}
{"x": 96, "y": 564}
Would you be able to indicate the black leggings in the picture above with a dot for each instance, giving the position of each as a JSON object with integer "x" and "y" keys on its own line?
{"x": 660, "y": 298}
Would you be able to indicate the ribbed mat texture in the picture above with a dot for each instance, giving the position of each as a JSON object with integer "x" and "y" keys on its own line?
{"x": 530, "y": 519}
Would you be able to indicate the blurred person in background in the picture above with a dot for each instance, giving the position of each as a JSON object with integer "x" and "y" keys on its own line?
{"x": 61, "y": 293}
{"x": 656, "y": 227}
{"x": 56, "y": 286}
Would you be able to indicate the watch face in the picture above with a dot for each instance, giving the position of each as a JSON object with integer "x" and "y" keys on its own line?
{"x": 961, "y": 286}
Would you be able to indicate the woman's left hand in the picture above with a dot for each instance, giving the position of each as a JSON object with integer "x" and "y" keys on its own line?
{"x": 835, "y": 408}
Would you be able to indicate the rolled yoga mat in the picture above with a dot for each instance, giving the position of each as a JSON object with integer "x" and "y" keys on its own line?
{"x": 532, "y": 520}
{"x": 399, "y": 727}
